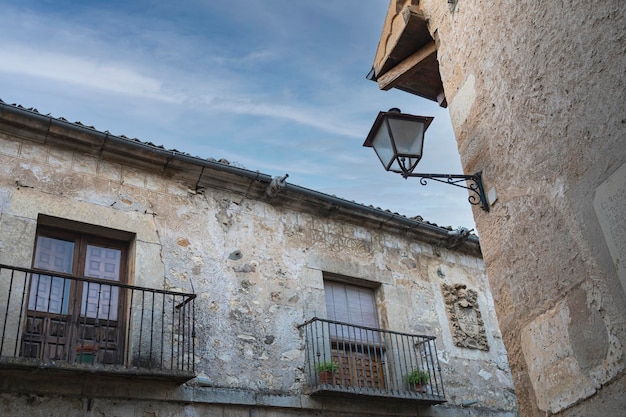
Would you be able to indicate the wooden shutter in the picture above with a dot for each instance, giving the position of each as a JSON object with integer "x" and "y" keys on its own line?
{"x": 354, "y": 305}
{"x": 351, "y": 304}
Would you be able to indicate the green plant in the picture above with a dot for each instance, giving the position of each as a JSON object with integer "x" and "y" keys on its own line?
{"x": 417, "y": 377}
{"x": 327, "y": 367}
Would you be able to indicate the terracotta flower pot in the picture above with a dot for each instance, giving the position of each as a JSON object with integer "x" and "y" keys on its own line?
{"x": 418, "y": 388}
{"x": 326, "y": 377}
{"x": 86, "y": 353}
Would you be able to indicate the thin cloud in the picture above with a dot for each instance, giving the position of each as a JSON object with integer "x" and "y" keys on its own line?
{"x": 254, "y": 57}
{"x": 110, "y": 77}
{"x": 120, "y": 79}
{"x": 293, "y": 112}
{"x": 233, "y": 92}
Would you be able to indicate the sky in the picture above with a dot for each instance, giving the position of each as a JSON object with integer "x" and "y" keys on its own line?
{"x": 276, "y": 86}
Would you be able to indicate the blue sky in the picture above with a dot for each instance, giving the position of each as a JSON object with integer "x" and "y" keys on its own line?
{"x": 271, "y": 85}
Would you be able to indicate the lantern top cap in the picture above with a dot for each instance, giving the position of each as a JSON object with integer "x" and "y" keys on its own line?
{"x": 394, "y": 113}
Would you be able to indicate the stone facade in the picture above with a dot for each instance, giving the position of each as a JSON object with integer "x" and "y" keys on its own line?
{"x": 536, "y": 98}
{"x": 257, "y": 264}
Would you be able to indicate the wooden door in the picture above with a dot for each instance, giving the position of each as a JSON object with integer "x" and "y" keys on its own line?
{"x": 65, "y": 317}
{"x": 47, "y": 327}
{"x": 98, "y": 323}
{"x": 359, "y": 367}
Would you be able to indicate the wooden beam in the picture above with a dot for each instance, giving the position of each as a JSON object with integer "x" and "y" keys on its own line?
{"x": 441, "y": 99}
{"x": 392, "y": 77}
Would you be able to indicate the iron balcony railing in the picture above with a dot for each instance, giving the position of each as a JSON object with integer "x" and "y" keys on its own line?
{"x": 343, "y": 358}
{"x": 57, "y": 320}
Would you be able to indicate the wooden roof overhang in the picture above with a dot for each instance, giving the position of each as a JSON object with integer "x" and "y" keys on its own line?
{"x": 406, "y": 57}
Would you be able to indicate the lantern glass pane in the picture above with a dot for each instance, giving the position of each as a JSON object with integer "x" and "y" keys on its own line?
{"x": 383, "y": 146}
{"x": 408, "y": 136}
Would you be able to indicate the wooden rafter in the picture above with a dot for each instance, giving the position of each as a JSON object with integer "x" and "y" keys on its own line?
{"x": 391, "y": 78}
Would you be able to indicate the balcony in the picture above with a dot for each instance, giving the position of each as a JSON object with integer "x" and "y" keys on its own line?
{"x": 343, "y": 359}
{"x": 59, "y": 322}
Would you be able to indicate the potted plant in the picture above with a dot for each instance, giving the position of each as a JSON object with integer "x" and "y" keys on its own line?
{"x": 417, "y": 380}
{"x": 325, "y": 370}
{"x": 86, "y": 353}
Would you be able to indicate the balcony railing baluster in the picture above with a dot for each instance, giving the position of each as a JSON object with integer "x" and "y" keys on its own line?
{"x": 151, "y": 328}
{"x": 162, "y": 329}
{"x": 372, "y": 362}
{"x": 101, "y": 328}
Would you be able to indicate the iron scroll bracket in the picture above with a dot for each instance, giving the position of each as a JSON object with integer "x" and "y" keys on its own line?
{"x": 473, "y": 183}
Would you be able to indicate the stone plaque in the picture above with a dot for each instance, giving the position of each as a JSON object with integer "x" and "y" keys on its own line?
{"x": 466, "y": 323}
{"x": 609, "y": 203}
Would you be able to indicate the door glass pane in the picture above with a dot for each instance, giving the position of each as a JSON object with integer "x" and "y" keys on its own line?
{"x": 99, "y": 300}
{"x": 49, "y": 293}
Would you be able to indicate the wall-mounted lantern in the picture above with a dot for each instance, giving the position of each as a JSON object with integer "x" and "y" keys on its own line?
{"x": 398, "y": 140}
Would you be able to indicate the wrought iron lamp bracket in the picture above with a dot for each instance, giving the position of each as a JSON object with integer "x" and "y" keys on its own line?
{"x": 475, "y": 186}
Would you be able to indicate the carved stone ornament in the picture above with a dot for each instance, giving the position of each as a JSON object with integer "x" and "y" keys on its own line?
{"x": 466, "y": 323}
{"x": 323, "y": 236}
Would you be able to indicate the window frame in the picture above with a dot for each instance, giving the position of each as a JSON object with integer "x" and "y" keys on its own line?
{"x": 360, "y": 360}
{"x": 107, "y": 333}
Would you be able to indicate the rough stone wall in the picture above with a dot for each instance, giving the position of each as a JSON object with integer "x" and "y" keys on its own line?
{"x": 31, "y": 405}
{"x": 258, "y": 272}
{"x": 536, "y": 97}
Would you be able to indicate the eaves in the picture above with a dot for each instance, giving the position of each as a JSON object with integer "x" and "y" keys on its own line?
{"x": 200, "y": 174}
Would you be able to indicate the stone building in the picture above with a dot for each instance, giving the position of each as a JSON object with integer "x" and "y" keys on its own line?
{"x": 537, "y": 98}
{"x": 139, "y": 281}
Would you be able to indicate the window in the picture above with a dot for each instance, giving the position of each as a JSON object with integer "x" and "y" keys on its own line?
{"x": 350, "y": 304}
{"x": 356, "y": 346}
{"x": 67, "y": 317}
